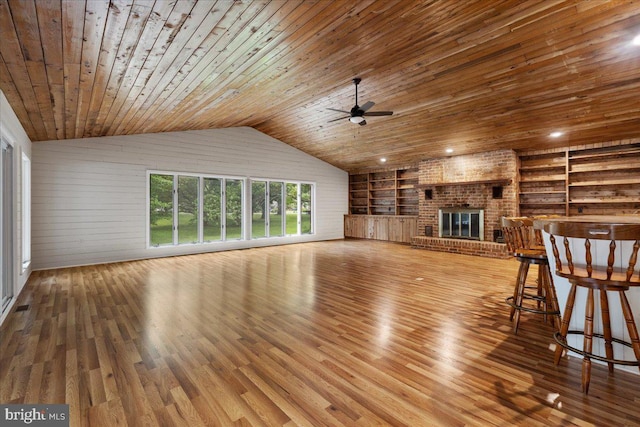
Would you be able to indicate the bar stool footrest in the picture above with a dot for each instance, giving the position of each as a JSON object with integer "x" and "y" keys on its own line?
{"x": 509, "y": 301}
{"x": 583, "y": 353}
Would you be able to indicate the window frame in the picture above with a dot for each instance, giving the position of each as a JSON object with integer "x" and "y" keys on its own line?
{"x": 201, "y": 177}
{"x": 26, "y": 212}
{"x": 284, "y": 183}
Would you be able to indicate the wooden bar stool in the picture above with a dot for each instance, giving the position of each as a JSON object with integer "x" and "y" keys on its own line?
{"x": 602, "y": 275}
{"x": 526, "y": 245}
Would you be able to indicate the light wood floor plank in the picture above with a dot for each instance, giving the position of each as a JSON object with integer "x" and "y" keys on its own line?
{"x": 349, "y": 332}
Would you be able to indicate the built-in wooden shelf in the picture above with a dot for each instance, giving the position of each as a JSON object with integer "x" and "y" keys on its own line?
{"x": 387, "y": 192}
{"x": 596, "y": 180}
{"x": 541, "y": 192}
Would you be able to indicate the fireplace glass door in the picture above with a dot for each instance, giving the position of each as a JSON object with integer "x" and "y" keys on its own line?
{"x": 462, "y": 223}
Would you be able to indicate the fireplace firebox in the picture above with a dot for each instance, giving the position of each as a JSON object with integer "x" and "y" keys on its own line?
{"x": 461, "y": 223}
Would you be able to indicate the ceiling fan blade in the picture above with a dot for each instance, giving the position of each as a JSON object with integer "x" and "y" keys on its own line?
{"x": 339, "y": 111}
{"x": 362, "y": 123}
{"x": 368, "y": 105}
{"x": 379, "y": 113}
{"x": 339, "y": 118}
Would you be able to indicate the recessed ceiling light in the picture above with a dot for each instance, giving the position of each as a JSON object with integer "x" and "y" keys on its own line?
{"x": 449, "y": 150}
{"x": 555, "y": 134}
{"x": 382, "y": 160}
{"x": 636, "y": 40}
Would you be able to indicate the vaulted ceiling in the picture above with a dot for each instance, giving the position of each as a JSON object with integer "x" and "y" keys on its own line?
{"x": 467, "y": 75}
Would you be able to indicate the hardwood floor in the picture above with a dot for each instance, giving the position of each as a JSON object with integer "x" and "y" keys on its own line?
{"x": 350, "y": 332}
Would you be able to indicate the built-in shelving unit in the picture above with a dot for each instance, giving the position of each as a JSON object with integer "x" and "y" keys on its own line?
{"x": 542, "y": 186}
{"x": 584, "y": 181}
{"x": 604, "y": 180}
{"x": 389, "y": 192}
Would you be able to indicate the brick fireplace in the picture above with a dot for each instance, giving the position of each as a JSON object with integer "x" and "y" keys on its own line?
{"x": 485, "y": 181}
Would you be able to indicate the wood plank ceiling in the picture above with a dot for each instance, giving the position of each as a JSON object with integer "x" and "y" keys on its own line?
{"x": 468, "y": 75}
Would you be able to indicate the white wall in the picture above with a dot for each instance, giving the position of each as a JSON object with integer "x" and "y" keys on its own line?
{"x": 89, "y": 195}
{"x": 13, "y": 132}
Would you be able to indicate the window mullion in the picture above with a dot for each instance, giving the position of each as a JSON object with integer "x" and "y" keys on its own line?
{"x": 176, "y": 210}
{"x": 299, "y": 201}
{"x": 223, "y": 209}
{"x": 200, "y": 209}
{"x": 267, "y": 207}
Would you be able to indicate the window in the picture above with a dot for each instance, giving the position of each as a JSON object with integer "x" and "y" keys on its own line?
{"x": 160, "y": 209}
{"x": 306, "y": 227}
{"x": 188, "y": 209}
{"x": 26, "y": 211}
{"x": 276, "y": 219}
{"x": 281, "y": 208}
{"x": 192, "y": 209}
{"x": 233, "y": 208}
{"x": 291, "y": 214}
{"x": 259, "y": 216}
{"x": 212, "y": 209}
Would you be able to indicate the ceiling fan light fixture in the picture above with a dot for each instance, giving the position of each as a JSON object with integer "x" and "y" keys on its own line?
{"x": 356, "y": 119}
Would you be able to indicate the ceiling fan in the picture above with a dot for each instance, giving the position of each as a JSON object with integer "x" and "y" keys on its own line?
{"x": 358, "y": 113}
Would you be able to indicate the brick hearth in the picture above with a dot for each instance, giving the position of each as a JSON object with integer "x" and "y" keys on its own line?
{"x": 461, "y": 246}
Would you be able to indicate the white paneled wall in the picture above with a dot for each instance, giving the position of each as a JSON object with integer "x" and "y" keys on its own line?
{"x": 89, "y": 195}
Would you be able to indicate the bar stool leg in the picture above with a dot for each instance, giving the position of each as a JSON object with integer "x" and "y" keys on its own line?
{"x": 541, "y": 293}
{"x": 552, "y": 298}
{"x": 606, "y": 327}
{"x": 564, "y": 328}
{"x": 520, "y": 279}
{"x": 519, "y": 294}
{"x": 631, "y": 325}
{"x": 588, "y": 342}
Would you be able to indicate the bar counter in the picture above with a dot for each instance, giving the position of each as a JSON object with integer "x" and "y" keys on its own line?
{"x": 600, "y": 251}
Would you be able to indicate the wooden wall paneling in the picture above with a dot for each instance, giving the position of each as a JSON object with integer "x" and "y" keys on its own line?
{"x": 10, "y": 88}
{"x": 393, "y": 228}
{"x": 95, "y": 20}
{"x": 473, "y": 69}
{"x": 28, "y": 32}
{"x": 206, "y": 95}
{"x": 118, "y": 93}
{"x": 181, "y": 40}
{"x": 176, "y": 15}
{"x": 200, "y": 65}
{"x": 72, "y": 38}
{"x": 170, "y": 68}
{"x": 135, "y": 26}
{"x": 16, "y": 66}
{"x": 49, "y": 20}
{"x": 113, "y": 39}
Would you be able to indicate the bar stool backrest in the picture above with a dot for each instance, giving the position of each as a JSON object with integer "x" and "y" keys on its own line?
{"x": 518, "y": 233}
{"x": 583, "y": 256}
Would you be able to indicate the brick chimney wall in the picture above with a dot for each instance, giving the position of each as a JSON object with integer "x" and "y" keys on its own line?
{"x": 493, "y": 165}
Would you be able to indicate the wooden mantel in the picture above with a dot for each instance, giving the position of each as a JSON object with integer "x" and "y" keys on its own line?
{"x": 482, "y": 182}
